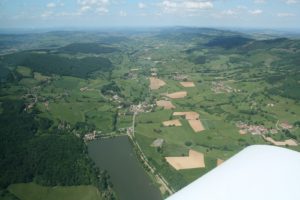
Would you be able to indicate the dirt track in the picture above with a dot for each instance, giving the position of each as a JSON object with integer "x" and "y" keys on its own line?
{"x": 289, "y": 142}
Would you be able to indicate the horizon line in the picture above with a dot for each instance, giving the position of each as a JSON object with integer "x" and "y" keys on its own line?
{"x": 95, "y": 28}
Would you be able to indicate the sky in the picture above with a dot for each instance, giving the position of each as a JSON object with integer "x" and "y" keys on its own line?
{"x": 140, "y": 13}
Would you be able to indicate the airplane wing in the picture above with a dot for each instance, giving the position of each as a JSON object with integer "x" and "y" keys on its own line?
{"x": 259, "y": 172}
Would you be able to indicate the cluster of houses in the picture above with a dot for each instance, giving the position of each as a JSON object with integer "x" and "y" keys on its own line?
{"x": 63, "y": 125}
{"x": 260, "y": 129}
{"x": 141, "y": 107}
{"x": 220, "y": 87}
{"x": 180, "y": 77}
{"x": 254, "y": 129}
{"x": 89, "y": 136}
{"x": 286, "y": 125}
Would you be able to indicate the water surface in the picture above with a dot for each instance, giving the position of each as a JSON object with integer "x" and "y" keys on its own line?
{"x": 127, "y": 175}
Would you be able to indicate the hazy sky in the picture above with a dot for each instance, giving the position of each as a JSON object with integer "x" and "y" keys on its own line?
{"x": 104, "y": 13}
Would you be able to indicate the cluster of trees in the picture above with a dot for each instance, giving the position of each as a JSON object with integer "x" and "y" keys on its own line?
{"x": 4, "y": 72}
{"x": 31, "y": 149}
{"x": 84, "y": 127}
{"x": 198, "y": 60}
{"x": 288, "y": 134}
{"x": 110, "y": 88}
{"x": 285, "y": 85}
{"x": 297, "y": 123}
{"x": 48, "y": 64}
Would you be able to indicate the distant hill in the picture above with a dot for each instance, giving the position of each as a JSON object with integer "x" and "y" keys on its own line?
{"x": 54, "y": 64}
{"x": 17, "y": 42}
{"x": 87, "y": 48}
{"x": 228, "y": 42}
{"x": 268, "y": 44}
{"x": 184, "y": 34}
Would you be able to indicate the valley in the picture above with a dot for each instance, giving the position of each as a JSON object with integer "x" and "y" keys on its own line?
{"x": 186, "y": 93}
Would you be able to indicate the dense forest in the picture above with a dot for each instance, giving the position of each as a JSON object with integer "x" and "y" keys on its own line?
{"x": 31, "y": 149}
{"x": 48, "y": 64}
{"x": 93, "y": 48}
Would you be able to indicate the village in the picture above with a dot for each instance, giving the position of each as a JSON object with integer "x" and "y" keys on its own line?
{"x": 265, "y": 133}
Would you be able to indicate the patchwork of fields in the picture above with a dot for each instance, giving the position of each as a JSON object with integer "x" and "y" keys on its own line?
{"x": 188, "y": 92}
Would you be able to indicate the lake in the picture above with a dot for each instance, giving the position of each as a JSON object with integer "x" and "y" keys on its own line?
{"x": 128, "y": 176}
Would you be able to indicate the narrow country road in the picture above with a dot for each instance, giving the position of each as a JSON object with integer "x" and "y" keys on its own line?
{"x": 159, "y": 178}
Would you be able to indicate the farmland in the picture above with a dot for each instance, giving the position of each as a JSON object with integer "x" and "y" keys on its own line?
{"x": 188, "y": 88}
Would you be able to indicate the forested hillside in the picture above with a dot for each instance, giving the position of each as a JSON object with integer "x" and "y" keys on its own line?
{"x": 48, "y": 64}
{"x": 33, "y": 150}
